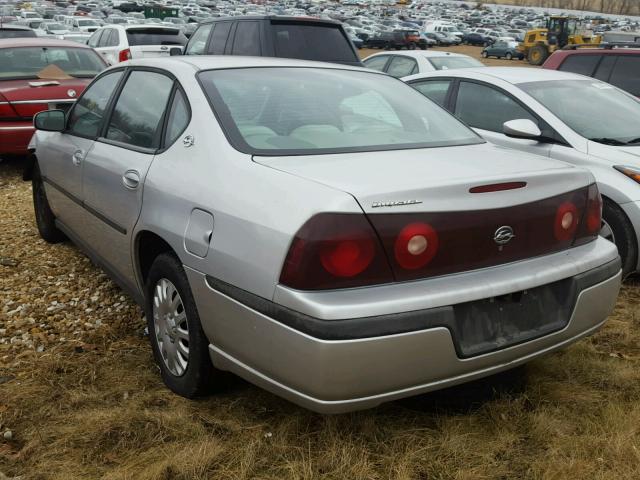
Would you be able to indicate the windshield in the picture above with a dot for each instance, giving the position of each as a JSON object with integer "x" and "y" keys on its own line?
{"x": 26, "y": 62}
{"x": 8, "y": 33}
{"x": 450, "y": 63}
{"x": 595, "y": 110}
{"x": 285, "y": 111}
{"x": 55, "y": 26}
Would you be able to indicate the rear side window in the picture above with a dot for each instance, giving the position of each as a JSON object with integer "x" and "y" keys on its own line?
{"x": 198, "y": 42}
{"x": 95, "y": 38}
{"x": 484, "y": 107}
{"x": 178, "y": 118}
{"x": 324, "y": 43}
{"x": 247, "y": 39}
{"x": 376, "y": 63}
{"x": 626, "y": 74}
{"x": 219, "y": 38}
{"x": 434, "y": 90}
{"x": 155, "y": 36}
{"x": 402, "y": 66}
{"x": 136, "y": 118}
{"x": 582, "y": 64}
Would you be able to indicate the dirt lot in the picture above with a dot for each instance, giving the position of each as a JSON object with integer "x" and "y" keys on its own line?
{"x": 81, "y": 398}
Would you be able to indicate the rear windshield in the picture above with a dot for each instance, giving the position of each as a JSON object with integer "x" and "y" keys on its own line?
{"x": 7, "y": 33}
{"x": 324, "y": 43}
{"x": 450, "y": 63}
{"x": 26, "y": 62}
{"x": 292, "y": 111}
{"x": 155, "y": 36}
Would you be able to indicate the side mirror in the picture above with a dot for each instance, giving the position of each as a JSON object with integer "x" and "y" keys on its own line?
{"x": 521, "y": 128}
{"x": 50, "y": 121}
{"x": 175, "y": 51}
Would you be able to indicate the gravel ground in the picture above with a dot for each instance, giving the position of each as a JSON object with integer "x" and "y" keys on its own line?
{"x": 49, "y": 294}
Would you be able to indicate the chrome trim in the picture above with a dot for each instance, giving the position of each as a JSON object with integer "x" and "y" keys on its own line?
{"x": 28, "y": 102}
{"x": 30, "y": 127}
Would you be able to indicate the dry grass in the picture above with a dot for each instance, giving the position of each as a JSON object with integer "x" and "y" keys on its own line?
{"x": 96, "y": 408}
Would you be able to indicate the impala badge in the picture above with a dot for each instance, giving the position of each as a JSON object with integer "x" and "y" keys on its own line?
{"x": 400, "y": 203}
{"x": 503, "y": 236}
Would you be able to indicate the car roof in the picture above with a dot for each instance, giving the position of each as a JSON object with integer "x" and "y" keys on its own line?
{"x": 38, "y": 42}
{"x": 14, "y": 26}
{"x": 273, "y": 17}
{"x": 221, "y": 62}
{"x": 421, "y": 53}
{"x": 600, "y": 51}
{"x": 513, "y": 75}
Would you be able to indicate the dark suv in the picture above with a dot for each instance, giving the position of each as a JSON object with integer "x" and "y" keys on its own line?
{"x": 398, "y": 39}
{"x": 617, "y": 66}
{"x": 274, "y": 36}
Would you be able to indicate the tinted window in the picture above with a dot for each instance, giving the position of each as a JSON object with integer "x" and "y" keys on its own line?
{"x": 178, "y": 118}
{"x": 376, "y": 63}
{"x": 86, "y": 117}
{"x": 219, "y": 38}
{"x": 198, "y": 42}
{"x": 626, "y": 74}
{"x": 434, "y": 90}
{"x": 247, "y": 39}
{"x": 8, "y": 33}
{"x": 138, "y": 112}
{"x": 402, "y": 66}
{"x": 582, "y": 64}
{"x": 605, "y": 67}
{"x": 486, "y": 108}
{"x": 155, "y": 36}
{"x": 312, "y": 42}
{"x": 276, "y": 111}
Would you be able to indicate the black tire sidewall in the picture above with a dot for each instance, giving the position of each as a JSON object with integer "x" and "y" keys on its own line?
{"x": 45, "y": 219}
{"x": 198, "y": 376}
{"x": 624, "y": 233}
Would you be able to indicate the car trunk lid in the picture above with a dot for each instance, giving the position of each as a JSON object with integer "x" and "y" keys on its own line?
{"x": 28, "y": 97}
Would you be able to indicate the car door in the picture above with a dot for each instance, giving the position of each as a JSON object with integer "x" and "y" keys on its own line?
{"x": 486, "y": 108}
{"x": 116, "y": 167}
{"x": 61, "y": 155}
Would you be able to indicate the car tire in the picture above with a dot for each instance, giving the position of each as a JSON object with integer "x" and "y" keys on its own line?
{"x": 165, "y": 286}
{"x": 537, "y": 55}
{"x": 621, "y": 232}
{"x": 508, "y": 56}
{"x": 45, "y": 219}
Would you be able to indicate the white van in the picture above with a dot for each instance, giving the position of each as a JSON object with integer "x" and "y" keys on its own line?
{"x": 443, "y": 27}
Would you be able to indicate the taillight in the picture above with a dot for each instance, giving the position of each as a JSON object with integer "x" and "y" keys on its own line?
{"x": 416, "y": 245}
{"x": 592, "y": 222}
{"x": 124, "y": 55}
{"x": 335, "y": 250}
{"x": 566, "y": 223}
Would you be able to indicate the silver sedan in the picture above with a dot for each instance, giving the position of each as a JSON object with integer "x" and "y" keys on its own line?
{"x": 325, "y": 232}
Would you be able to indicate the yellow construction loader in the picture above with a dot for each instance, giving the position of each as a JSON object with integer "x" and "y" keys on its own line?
{"x": 560, "y": 32}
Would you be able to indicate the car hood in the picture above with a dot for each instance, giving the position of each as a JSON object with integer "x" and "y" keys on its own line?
{"x": 616, "y": 155}
{"x": 436, "y": 179}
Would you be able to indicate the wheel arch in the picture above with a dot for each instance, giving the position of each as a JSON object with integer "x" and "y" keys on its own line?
{"x": 148, "y": 246}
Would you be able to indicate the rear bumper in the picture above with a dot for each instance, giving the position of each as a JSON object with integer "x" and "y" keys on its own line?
{"x": 339, "y": 375}
{"x": 15, "y": 137}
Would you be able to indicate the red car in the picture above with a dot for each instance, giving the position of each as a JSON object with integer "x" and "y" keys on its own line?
{"x": 37, "y": 74}
{"x": 617, "y": 66}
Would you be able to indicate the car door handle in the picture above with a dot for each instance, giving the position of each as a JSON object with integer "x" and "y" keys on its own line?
{"x": 77, "y": 157}
{"x": 131, "y": 179}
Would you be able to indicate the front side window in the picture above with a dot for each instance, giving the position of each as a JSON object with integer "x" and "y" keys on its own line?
{"x": 434, "y": 90}
{"x": 402, "y": 66}
{"x": 27, "y": 62}
{"x": 280, "y": 111}
{"x": 594, "y": 110}
{"x": 198, "y": 42}
{"x": 483, "y": 107}
{"x": 86, "y": 116}
{"x": 136, "y": 118}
